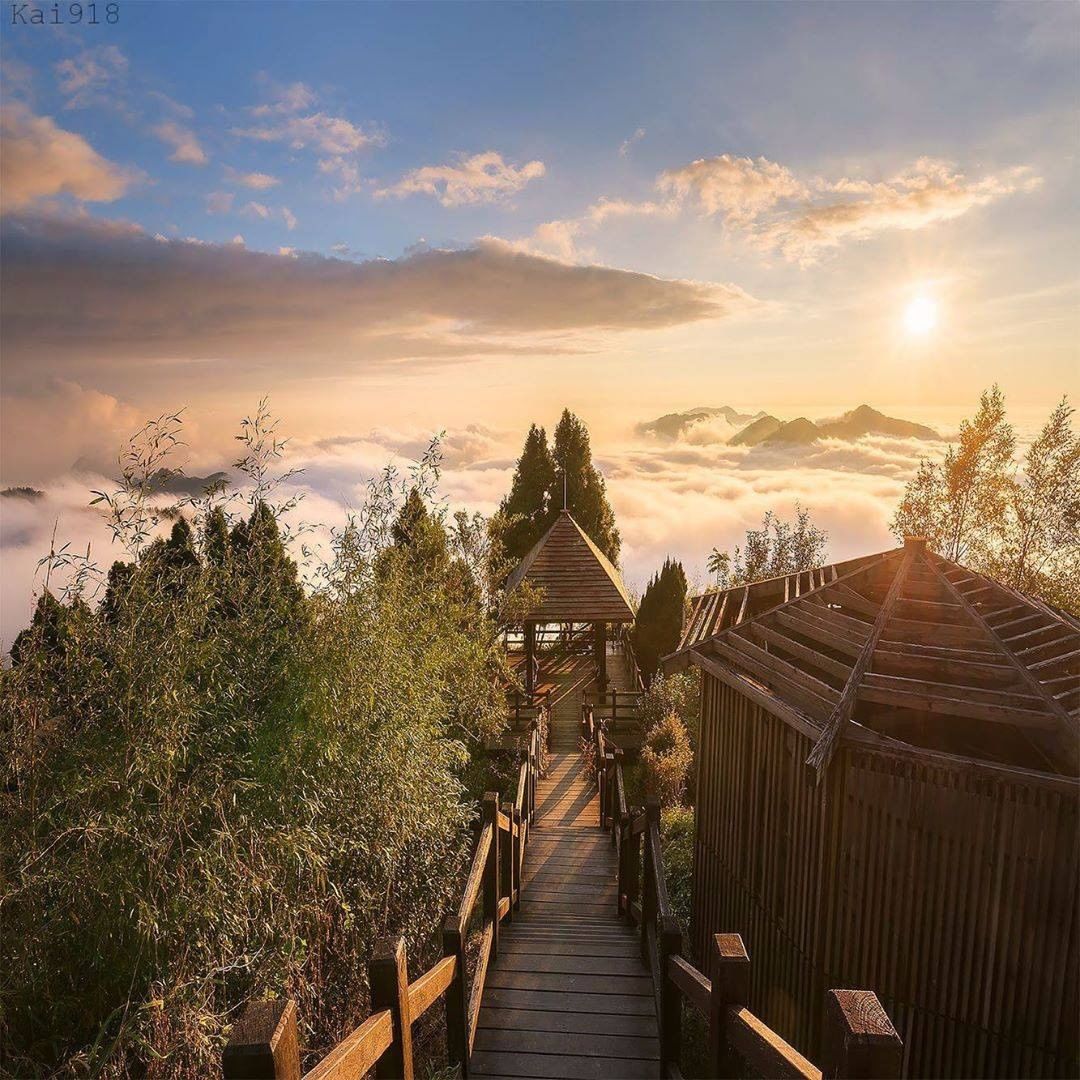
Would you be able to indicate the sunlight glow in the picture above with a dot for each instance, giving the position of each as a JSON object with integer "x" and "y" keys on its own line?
{"x": 921, "y": 316}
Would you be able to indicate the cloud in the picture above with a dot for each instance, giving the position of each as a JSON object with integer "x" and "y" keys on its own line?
{"x": 482, "y": 178}
{"x": 626, "y": 144}
{"x": 294, "y": 98}
{"x": 774, "y": 210}
{"x": 84, "y": 289}
{"x": 333, "y": 135}
{"x": 84, "y": 429}
{"x": 257, "y": 210}
{"x": 82, "y": 79}
{"x": 738, "y": 188}
{"x": 185, "y": 144}
{"x": 927, "y": 193}
{"x": 258, "y": 181}
{"x": 219, "y": 202}
{"x": 289, "y": 217}
{"x": 40, "y": 160}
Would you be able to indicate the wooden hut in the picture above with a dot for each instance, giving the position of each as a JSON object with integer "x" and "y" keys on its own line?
{"x": 575, "y": 585}
{"x": 887, "y": 797}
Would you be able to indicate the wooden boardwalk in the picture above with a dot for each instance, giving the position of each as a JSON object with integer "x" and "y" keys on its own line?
{"x": 568, "y": 995}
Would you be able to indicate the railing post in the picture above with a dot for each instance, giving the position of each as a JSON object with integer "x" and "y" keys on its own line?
{"x": 860, "y": 1042}
{"x": 263, "y": 1044}
{"x": 457, "y": 999}
{"x": 648, "y": 887}
{"x": 515, "y": 865}
{"x": 616, "y": 787}
{"x": 669, "y": 944}
{"x": 389, "y": 981}
{"x": 506, "y": 858}
{"x": 627, "y": 849}
{"x": 730, "y": 989}
{"x": 491, "y": 870}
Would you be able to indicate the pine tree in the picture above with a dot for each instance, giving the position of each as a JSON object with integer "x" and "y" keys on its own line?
{"x": 586, "y": 494}
{"x": 658, "y": 625}
{"x": 525, "y": 513}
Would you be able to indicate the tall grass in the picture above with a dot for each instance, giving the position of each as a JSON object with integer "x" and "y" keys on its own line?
{"x": 217, "y": 784}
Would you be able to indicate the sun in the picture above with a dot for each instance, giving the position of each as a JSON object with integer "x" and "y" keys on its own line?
{"x": 920, "y": 316}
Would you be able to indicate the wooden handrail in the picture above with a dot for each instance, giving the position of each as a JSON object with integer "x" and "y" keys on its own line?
{"x": 264, "y": 1042}
{"x": 860, "y": 1040}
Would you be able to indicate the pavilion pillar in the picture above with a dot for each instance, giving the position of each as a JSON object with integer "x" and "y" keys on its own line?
{"x": 530, "y": 659}
{"x": 600, "y": 630}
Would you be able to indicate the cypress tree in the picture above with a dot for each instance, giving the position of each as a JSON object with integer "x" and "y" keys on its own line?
{"x": 659, "y": 618}
{"x": 527, "y": 510}
{"x": 586, "y": 494}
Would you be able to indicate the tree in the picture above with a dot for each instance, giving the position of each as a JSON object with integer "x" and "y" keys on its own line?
{"x": 779, "y": 547}
{"x": 1040, "y": 550}
{"x": 586, "y": 494}
{"x": 659, "y": 618}
{"x": 526, "y": 511}
{"x": 959, "y": 503}
{"x": 1017, "y": 522}
{"x": 536, "y": 493}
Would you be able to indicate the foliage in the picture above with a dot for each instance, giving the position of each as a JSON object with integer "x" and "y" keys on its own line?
{"x": 659, "y": 619}
{"x": 218, "y": 784}
{"x": 666, "y": 758}
{"x": 677, "y": 845}
{"x": 1019, "y": 522}
{"x": 779, "y": 547}
{"x": 529, "y": 509}
{"x": 586, "y": 493}
{"x": 678, "y": 695}
{"x": 536, "y": 493}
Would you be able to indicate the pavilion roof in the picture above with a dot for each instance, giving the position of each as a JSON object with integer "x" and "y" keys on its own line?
{"x": 911, "y": 645}
{"x": 577, "y": 581}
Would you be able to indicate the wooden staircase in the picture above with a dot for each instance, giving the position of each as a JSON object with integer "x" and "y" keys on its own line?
{"x": 567, "y": 995}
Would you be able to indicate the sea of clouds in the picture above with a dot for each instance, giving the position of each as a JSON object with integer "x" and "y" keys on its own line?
{"x": 677, "y": 497}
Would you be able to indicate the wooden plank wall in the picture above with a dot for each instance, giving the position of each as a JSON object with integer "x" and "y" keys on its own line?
{"x": 952, "y": 894}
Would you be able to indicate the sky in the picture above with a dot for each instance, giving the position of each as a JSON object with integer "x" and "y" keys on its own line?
{"x": 400, "y": 219}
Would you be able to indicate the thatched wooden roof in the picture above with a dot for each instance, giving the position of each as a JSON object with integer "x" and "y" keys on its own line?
{"x": 911, "y": 645}
{"x": 577, "y": 581}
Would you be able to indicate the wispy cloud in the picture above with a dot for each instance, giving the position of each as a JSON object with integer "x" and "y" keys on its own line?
{"x": 626, "y": 144}
{"x": 257, "y": 181}
{"x": 40, "y": 160}
{"x": 481, "y": 178}
{"x": 185, "y": 144}
{"x": 773, "y": 209}
{"x": 739, "y": 189}
{"x": 84, "y": 78}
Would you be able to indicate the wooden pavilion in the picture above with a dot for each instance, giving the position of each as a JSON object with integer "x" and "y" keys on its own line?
{"x": 576, "y": 586}
{"x": 887, "y": 797}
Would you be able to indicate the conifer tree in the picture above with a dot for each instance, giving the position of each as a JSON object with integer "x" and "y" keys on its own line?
{"x": 525, "y": 514}
{"x": 586, "y": 494}
{"x": 659, "y": 618}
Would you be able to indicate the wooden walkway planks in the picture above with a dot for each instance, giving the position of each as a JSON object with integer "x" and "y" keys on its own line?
{"x": 568, "y": 997}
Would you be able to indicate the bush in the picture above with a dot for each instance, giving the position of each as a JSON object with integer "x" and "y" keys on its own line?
{"x": 666, "y": 759}
{"x": 215, "y": 786}
{"x": 679, "y": 694}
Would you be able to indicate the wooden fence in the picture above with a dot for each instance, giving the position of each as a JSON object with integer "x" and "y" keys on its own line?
{"x": 264, "y": 1044}
{"x": 951, "y": 888}
{"x": 860, "y": 1040}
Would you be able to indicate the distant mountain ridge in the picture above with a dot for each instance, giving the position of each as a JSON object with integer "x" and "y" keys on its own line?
{"x": 761, "y": 428}
{"x": 672, "y": 425}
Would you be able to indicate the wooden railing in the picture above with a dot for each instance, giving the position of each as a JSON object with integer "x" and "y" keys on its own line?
{"x": 859, "y": 1039}
{"x": 264, "y": 1044}
{"x": 621, "y": 710}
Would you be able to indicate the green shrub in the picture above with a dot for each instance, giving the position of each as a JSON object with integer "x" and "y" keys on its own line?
{"x": 216, "y": 786}
{"x": 679, "y": 694}
{"x": 666, "y": 759}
